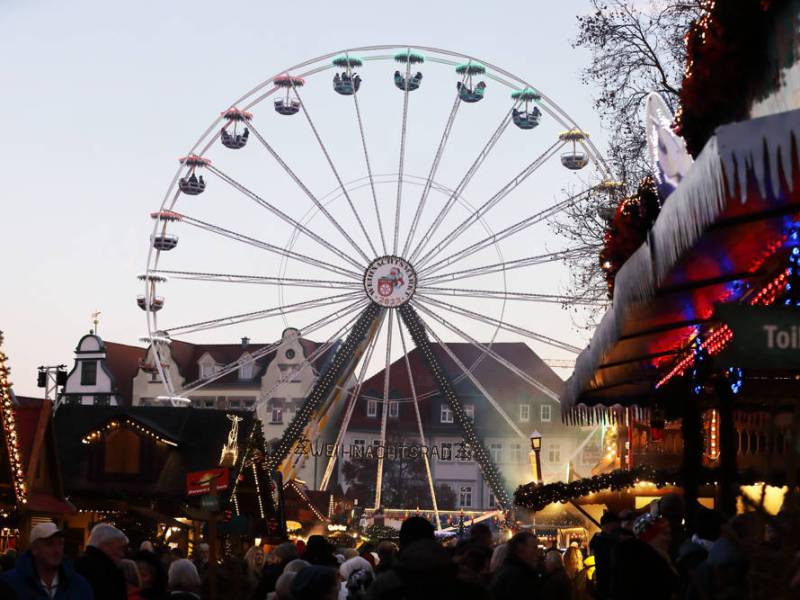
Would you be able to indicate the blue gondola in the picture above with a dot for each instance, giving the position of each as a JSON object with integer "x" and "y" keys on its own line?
{"x": 412, "y": 83}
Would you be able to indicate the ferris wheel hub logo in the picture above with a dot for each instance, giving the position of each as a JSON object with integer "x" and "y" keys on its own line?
{"x": 390, "y": 281}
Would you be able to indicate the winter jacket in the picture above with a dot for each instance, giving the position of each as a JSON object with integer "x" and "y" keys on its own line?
{"x": 515, "y": 579}
{"x": 26, "y": 583}
{"x": 106, "y": 578}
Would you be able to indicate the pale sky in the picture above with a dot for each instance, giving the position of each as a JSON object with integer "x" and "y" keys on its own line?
{"x": 100, "y": 98}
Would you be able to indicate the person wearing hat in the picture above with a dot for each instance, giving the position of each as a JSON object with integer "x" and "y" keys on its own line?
{"x": 604, "y": 546}
{"x": 100, "y": 562}
{"x": 643, "y": 568}
{"x": 41, "y": 573}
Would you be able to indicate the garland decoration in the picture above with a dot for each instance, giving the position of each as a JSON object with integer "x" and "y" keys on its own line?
{"x": 728, "y": 66}
{"x": 628, "y": 229}
{"x": 536, "y": 497}
{"x": 10, "y": 432}
{"x": 379, "y": 533}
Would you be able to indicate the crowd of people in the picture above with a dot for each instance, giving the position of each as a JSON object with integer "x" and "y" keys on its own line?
{"x": 647, "y": 555}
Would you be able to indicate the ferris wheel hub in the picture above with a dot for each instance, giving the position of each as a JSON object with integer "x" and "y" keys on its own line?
{"x": 390, "y": 281}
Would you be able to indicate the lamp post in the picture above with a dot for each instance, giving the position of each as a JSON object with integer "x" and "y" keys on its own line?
{"x": 535, "y": 454}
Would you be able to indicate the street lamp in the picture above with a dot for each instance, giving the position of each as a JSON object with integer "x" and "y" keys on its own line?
{"x": 535, "y": 454}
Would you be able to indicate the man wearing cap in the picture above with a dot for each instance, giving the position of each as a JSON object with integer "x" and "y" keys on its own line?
{"x": 42, "y": 574}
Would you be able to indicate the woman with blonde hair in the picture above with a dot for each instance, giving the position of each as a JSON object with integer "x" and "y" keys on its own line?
{"x": 254, "y": 563}
{"x": 573, "y": 565}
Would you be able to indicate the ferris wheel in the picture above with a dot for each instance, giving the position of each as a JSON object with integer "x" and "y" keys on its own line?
{"x": 376, "y": 198}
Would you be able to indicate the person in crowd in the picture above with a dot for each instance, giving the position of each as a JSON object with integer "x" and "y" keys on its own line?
{"x": 202, "y": 557}
{"x": 603, "y": 547}
{"x": 520, "y": 571}
{"x": 556, "y": 584}
{"x": 357, "y": 575}
{"x": 387, "y": 553}
{"x": 273, "y": 567}
{"x": 132, "y": 578}
{"x": 423, "y": 569}
{"x": 184, "y": 580}
{"x": 672, "y": 508}
{"x": 316, "y": 582}
{"x": 283, "y": 587}
{"x": 100, "y": 562}
{"x": 643, "y": 563}
{"x": 254, "y": 566}
{"x": 147, "y": 546}
{"x": 152, "y": 574}
{"x": 694, "y": 551}
{"x": 473, "y": 564}
{"x": 42, "y": 573}
{"x": 319, "y": 551}
{"x": 481, "y": 535}
{"x": 8, "y": 560}
{"x": 499, "y": 555}
{"x": 577, "y": 573}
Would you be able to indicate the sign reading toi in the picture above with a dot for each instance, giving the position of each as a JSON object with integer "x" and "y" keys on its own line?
{"x": 764, "y": 337}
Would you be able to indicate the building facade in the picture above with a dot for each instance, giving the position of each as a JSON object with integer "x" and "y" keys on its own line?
{"x": 528, "y": 408}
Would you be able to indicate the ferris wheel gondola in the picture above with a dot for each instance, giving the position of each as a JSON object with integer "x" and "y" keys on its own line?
{"x": 407, "y": 82}
{"x": 235, "y": 139}
{"x": 190, "y": 183}
{"x": 368, "y": 272}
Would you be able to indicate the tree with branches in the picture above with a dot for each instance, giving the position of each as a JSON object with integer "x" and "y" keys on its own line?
{"x": 636, "y": 49}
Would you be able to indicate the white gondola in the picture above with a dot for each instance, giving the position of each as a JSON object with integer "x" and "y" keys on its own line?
{"x": 576, "y": 158}
{"x": 155, "y": 305}
{"x": 165, "y": 241}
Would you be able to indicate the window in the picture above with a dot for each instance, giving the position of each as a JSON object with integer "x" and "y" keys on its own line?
{"x": 546, "y": 413}
{"x": 372, "y": 408}
{"x": 515, "y": 453}
{"x": 524, "y": 412}
{"x": 290, "y": 354}
{"x": 394, "y": 409}
{"x": 446, "y": 452}
{"x": 554, "y": 454}
{"x": 465, "y": 496}
{"x": 249, "y": 403}
{"x": 276, "y": 417}
{"x": 234, "y": 403}
{"x": 470, "y": 410}
{"x": 446, "y": 414}
{"x": 122, "y": 452}
{"x": 89, "y": 372}
{"x": 209, "y": 402}
{"x": 246, "y": 370}
{"x": 207, "y": 370}
{"x": 358, "y": 448}
{"x": 496, "y": 450}
{"x": 492, "y": 500}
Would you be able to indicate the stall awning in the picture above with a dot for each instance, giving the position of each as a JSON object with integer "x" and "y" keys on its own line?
{"x": 719, "y": 237}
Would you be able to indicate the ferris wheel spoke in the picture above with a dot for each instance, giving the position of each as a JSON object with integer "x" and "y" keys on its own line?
{"x": 254, "y": 356}
{"x": 475, "y": 381}
{"x": 384, "y": 411}
{"x": 502, "y": 234}
{"x": 499, "y": 295}
{"x": 334, "y": 171}
{"x": 261, "y": 314}
{"x": 487, "y": 350}
{"x": 432, "y": 172}
{"x": 459, "y": 189}
{"x": 369, "y": 172}
{"x": 257, "y": 279}
{"x": 401, "y": 164}
{"x": 491, "y": 202}
{"x": 282, "y": 215}
{"x": 422, "y": 440}
{"x": 240, "y": 237}
{"x": 508, "y": 265}
{"x": 305, "y": 190}
{"x": 354, "y": 396}
{"x": 501, "y": 324}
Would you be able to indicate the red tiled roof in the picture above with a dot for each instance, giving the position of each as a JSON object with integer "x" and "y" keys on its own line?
{"x": 501, "y": 383}
{"x": 123, "y": 362}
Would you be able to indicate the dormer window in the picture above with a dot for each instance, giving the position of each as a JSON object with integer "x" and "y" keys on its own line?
{"x": 246, "y": 367}
{"x": 208, "y": 366}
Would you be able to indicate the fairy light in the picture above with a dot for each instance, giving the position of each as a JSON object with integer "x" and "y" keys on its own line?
{"x": 115, "y": 424}
{"x": 490, "y": 471}
{"x": 258, "y": 492}
{"x": 712, "y": 437}
{"x": 10, "y": 431}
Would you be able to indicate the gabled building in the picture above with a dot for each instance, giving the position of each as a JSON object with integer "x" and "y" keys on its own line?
{"x": 529, "y": 408}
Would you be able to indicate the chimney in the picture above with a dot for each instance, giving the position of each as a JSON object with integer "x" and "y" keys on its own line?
{"x": 245, "y": 342}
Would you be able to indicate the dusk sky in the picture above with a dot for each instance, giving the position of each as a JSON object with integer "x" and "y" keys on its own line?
{"x": 100, "y": 98}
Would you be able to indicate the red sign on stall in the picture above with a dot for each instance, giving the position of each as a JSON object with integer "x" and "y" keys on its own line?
{"x": 200, "y": 482}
